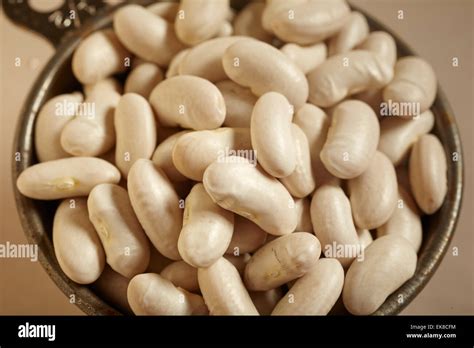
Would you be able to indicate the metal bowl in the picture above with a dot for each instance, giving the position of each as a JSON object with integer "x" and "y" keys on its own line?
{"x": 37, "y": 216}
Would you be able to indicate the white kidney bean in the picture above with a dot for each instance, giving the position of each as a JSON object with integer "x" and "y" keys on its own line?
{"x": 405, "y": 220}
{"x": 134, "y": 120}
{"x": 154, "y": 199}
{"x": 345, "y": 74}
{"x": 271, "y": 133}
{"x": 316, "y": 292}
{"x": 143, "y": 78}
{"x": 226, "y": 30}
{"x": 207, "y": 229}
{"x": 173, "y": 68}
{"x": 283, "y": 259}
{"x": 242, "y": 187}
{"x": 91, "y": 132}
{"x": 351, "y": 141}
{"x": 158, "y": 45}
{"x": 125, "y": 244}
{"x": 182, "y": 275}
{"x": 99, "y": 55}
{"x": 388, "y": 263}
{"x": 205, "y": 59}
{"x": 239, "y": 103}
{"x": 151, "y": 294}
{"x": 272, "y": 7}
{"x": 308, "y": 22}
{"x": 247, "y": 237}
{"x": 263, "y": 68}
{"x": 314, "y": 122}
{"x": 374, "y": 193}
{"x": 195, "y": 151}
{"x": 108, "y": 84}
{"x": 365, "y": 237}
{"x": 414, "y": 81}
{"x": 397, "y": 135}
{"x": 199, "y": 20}
{"x": 300, "y": 182}
{"x": 166, "y": 10}
{"x": 189, "y": 102}
{"x": 306, "y": 58}
{"x": 66, "y": 177}
{"x": 248, "y": 22}
{"x": 231, "y": 13}
{"x": 76, "y": 244}
{"x": 382, "y": 44}
{"x": 162, "y": 157}
{"x": 303, "y": 212}
{"x": 353, "y": 32}
{"x": 224, "y": 291}
{"x": 428, "y": 173}
{"x": 53, "y": 116}
{"x": 332, "y": 222}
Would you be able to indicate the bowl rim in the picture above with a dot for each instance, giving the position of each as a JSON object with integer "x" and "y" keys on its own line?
{"x": 88, "y": 301}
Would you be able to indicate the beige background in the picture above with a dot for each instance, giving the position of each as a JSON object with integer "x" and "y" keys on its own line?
{"x": 438, "y": 30}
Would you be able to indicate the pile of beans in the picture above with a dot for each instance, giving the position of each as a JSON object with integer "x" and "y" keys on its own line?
{"x": 243, "y": 164}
